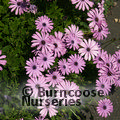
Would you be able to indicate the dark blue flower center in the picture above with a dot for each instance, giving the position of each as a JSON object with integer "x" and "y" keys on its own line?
{"x": 107, "y": 64}
{"x": 55, "y": 44}
{"x": 104, "y": 107}
{"x": 44, "y": 24}
{"x": 72, "y": 41}
{"x": 96, "y": 19}
{"x": 119, "y": 61}
{"x": 64, "y": 66}
{"x": 102, "y": 86}
{"x": 88, "y": 49}
{"x": 54, "y": 77}
{"x": 45, "y": 58}
{"x": 75, "y": 63}
{"x": 100, "y": 29}
{"x": 43, "y": 42}
{"x": 34, "y": 67}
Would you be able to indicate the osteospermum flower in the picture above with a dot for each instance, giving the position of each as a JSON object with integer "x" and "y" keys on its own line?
{"x": 37, "y": 84}
{"x": 117, "y": 59}
{"x": 95, "y": 16}
{"x": 59, "y": 47}
{"x": 32, "y": 9}
{"x": 103, "y": 84}
{"x": 33, "y": 68}
{"x": 76, "y": 63}
{"x": 54, "y": 78}
{"x": 90, "y": 49}
{"x": 105, "y": 107}
{"x": 73, "y": 42}
{"x": 19, "y": 5}
{"x": 99, "y": 59}
{"x": 108, "y": 60}
{"x": 2, "y": 62}
{"x": 100, "y": 33}
{"x": 66, "y": 87}
{"x": 47, "y": 107}
{"x": 74, "y": 31}
{"x": 44, "y": 24}
{"x": 101, "y": 5}
{"x": 82, "y": 4}
{"x": 64, "y": 67}
{"x": 42, "y": 42}
{"x": 110, "y": 73}
{"x": 45, "y": 60}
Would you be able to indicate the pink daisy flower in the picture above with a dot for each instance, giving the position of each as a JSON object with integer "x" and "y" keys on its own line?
{"x": 2, "y": 62}
{"x": 67, "y": 86}
{"x": 95, "y": 16}
{"x": 108, "y": 59}
{"x": 74, "y": 31}
{"x": 33, "y": 68}
{"x": 64, "y": 67}
{"x": 33, "y": 9}
{"x": 110, "y": 73}
{"x": 103, "y": 84}
{"x": 36, "y": 83}
{"x": 72, "y": 42}
{"x": 47, "y": 108}
{"x": 54, "y": 78}
{"x": 105, "y": 107}
{"x": 45, "y": 60}
{"x": 99, "y": 59}
{"x": 76, "y": 63}
{"x": 82, "y": 4}
{"x": 117, "y": 59}
{"x": 101, "y": 32}
{"x": 19, "y": 5}
{"x": 101, "y": 5}
{"x": 44, "y": 24}
{"x": 59, "y": 47}
{"x": 42, "y": 42}
{"x": 90, "y": 49}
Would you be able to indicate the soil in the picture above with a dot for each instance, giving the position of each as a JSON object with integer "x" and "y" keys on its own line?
{"x": 112, "y": 43}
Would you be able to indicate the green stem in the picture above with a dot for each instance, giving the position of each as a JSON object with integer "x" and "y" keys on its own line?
{"x": 75, "y": 114}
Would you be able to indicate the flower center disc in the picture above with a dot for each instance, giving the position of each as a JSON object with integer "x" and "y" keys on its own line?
{"x": 45, "y": 58}
{"x": 64, "y": 66}
{"x": 43, "y": 42}
{"x": 34, "y": 67}
{"x": 75, "y": 63}
{"x": 88, "y": 49}
{"x": 72, "y": 41}
{"x": 54, "y": 77}
{"x": 104, "y": 107}
{"x": 102, "y": 86}
{"x": 119, "y": 61}
{"x": 55, "y": 45}
{"x": 44, "y": 24}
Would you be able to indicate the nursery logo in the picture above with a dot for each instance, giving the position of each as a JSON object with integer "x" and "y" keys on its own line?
{"x": 56, "y": 97}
